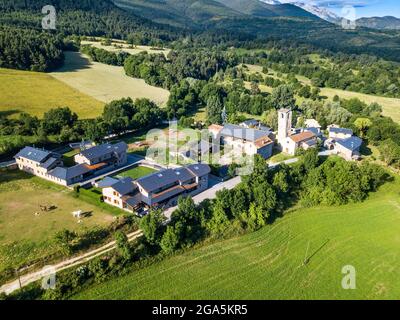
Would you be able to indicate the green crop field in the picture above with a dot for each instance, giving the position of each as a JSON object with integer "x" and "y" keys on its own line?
{"x": 268, "y": 264}
{"x": 36, "y": 93}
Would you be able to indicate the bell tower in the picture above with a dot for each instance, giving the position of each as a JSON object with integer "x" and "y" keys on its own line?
{"x": 284, "y": 125}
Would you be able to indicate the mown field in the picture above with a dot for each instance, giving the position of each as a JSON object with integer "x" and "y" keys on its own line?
{"x": 118, "y": 46}
{"x": 268, "y": 264}
{"x": 24, "y": 236}
{"x": 36, "y": 93}
{"x": 103, "y": 82}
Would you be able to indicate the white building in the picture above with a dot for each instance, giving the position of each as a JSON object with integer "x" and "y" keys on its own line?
{"x": 243, "y": 140}
{"x": 288, "y": 142}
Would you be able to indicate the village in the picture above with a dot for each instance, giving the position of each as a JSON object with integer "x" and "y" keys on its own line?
{"x": 96, "y": 166}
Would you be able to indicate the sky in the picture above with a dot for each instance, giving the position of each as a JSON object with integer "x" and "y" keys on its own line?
{"x": 364, "y": 8}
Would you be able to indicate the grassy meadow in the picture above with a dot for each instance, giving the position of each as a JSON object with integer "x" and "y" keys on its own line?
{"x": 25, "y": 236}
{"x": 103, "y": 82}
{"x": 268, "y": 264}
{"x": 36, "y": 93}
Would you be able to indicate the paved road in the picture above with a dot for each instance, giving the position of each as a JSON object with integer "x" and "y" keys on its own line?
{"x": 72, "y": 262}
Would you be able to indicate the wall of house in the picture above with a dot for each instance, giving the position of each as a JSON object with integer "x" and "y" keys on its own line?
{"x": 343, "y": 152}
{"x": 112, "y": 197}
{"x": 34, "y": 168}
{"x": 289, "y": 147}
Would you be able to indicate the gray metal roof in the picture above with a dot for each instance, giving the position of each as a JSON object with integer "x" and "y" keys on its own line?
{"x": 69, "y": 173}
{"x": 124, "y": 186}
{"x": 352, "y": 143}
{"x": 33, "y": 154}
{"x": 232, "y": 130}
{"x": 341, "y": 130}
{"x": 103, "y": 149}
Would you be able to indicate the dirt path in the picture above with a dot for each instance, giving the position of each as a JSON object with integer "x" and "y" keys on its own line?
{"x": 37, "y": 275}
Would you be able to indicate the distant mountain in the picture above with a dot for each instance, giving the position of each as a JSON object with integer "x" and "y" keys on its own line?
{"x": 188, "y": 13}
{"x": 259, "y": 8}
{"x": 381, "y": 23}
{"x": 182, "y": 13}
{"x": 320, "y": 12}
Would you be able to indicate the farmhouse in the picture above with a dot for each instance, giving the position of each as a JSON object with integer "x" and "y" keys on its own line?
{"x": 349, "y": 148}
{"x": 49, "y": 165}
{"x": 244, "y": 140}
{"x": 38, "y": 162}
{"x": 161, "y": 188}
{"x": 289, "y": 142}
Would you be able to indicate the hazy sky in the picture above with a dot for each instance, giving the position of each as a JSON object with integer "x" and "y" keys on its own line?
{"x": 364, "y": 8}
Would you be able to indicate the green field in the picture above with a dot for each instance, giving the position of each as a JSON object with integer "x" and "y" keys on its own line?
{"x": 36, "y": 93}
{"x": 137, "y": 172}
{"x": 268, "y": 264}
{"x": 26, "y": 236}
{"x": 391, "y": 106}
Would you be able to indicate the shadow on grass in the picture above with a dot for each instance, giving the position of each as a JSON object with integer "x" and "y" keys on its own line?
{"x": 74, "y": 61}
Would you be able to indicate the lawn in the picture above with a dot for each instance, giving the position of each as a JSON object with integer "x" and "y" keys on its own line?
{"x": 268, "y": 264}
{"x": 24, "y": 236}
{"x": 68, "y": 158}
{"x": 104, "y": 82}
{"x": 36, "y": 93}
{"x": 137, "y": 172}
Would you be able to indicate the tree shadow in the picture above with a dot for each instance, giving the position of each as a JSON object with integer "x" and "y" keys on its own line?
{"x": 7, "y": 113}
{"x": 74, "y": 61}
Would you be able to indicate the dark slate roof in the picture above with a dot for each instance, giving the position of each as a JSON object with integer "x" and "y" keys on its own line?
{"x": 104, "y": 149}
{"x": 199, "y": 170}
{"x": 106, "y": 182}
{"x": 49, "y": 162}
{"x": 231, "y": 130}
{"x": 311, "y": 142}
{"x": 69, "y": 173}
{"x": 157, "y": 180}
{"x": 183, "y": 174}
{"x": 316, "y": 131}
{"x": 124, "y": 186}
{"x": 166, "y": 177}
{"x": 341, "y": 130}
{"x": 33, "y": 154}
{"x": 352, "y": 143}
{"x": 135, "y": 200}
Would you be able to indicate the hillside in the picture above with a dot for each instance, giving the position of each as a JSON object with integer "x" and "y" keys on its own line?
{"x": 382, "y": 23}
{"x": 268, "y": 264}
